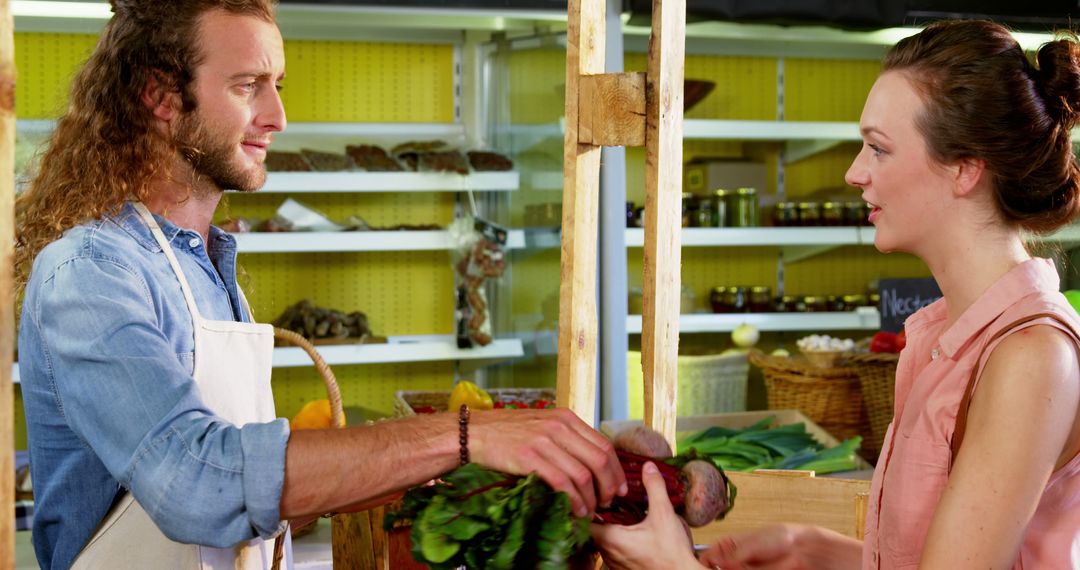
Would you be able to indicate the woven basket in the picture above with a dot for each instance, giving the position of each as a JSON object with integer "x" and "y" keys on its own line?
{"x": 877, "y": 379}
{"x": 405, "y": 401}
{"x": 831, "y": 397}
{"x": 709, "y": 384}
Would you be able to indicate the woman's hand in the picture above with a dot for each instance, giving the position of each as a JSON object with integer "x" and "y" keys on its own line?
{"x": 784, "y": 547}
{"x": 659, "y": 541}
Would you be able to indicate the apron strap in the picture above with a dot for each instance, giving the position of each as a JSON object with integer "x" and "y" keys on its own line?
{"x": 965, "y": 402}
{"x": 167, "y": 249}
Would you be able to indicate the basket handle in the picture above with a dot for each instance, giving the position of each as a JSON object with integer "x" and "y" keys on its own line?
{"x": 337, "y": 413}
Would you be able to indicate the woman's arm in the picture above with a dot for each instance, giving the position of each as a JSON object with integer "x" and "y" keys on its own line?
{"x": 787, "y": 547}
{"x": 1021, "y": 427}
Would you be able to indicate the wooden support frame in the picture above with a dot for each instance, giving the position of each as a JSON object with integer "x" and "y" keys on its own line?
{"x": 7, "y": 286}
{"x": 622, "y": 109}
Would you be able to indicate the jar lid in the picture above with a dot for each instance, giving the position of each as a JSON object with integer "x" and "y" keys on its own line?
{"x": 785, "y": 204}
{"x": 830, "y": 205}
{"x": 746, "y": 191}
{"x": 761, "y": 289}
{"x": 719, "y": 289}
{"x": 687, "y": 195}
{"x": 808, "y": 205}
{"x": 721, "y": 192}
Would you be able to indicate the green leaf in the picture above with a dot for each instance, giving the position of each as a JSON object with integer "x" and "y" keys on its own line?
{"x": 560, "y": 535}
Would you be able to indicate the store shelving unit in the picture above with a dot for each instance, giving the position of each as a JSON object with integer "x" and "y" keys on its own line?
{"x": 433, "y": 240}
{"x": 866, "y": 318}
{"x": 311, "y": 182}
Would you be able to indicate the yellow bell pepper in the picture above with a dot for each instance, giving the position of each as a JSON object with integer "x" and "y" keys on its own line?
{"x": 471, "y": 395}
{"x": 314, "y": 415}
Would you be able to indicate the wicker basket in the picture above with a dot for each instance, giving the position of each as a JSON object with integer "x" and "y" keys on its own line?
{"x": 405, "y": 401}
{"x": 877, "y": 379}
{"x": 831, "y": 397}
{"x": 709, "y": 384}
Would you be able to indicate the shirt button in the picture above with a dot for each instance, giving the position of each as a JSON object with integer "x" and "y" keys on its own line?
{"x": 194, "y": 242}
{"x": 933, "y": 353}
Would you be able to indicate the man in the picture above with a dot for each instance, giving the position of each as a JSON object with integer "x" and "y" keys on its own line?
{"x": 146, "y": 386}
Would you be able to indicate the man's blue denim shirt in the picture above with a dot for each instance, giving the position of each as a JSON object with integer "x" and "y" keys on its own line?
{"x": 105, "y": 360}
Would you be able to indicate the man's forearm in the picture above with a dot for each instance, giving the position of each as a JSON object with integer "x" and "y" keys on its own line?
{"x": 328, "y": 470}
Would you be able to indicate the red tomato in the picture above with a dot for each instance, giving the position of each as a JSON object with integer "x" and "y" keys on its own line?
{"x": 883, "y": 341}
{"x": 901, "y": 340}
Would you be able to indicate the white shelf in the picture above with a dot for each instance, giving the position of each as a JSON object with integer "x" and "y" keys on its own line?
{"x": 866, "y": 318}
{"x": 433, "y": 240}
{"x": 397, "y": 349}
{"x": 400, "y": 349}
{"x": 764, "y": 236}
{"x": 718, "y": 129}
{"x": 297, "y": 182}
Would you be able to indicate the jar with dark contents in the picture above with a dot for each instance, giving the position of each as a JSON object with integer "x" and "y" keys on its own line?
{"x": 716, "y": 299}
{"x": 809, "y": 214}
{"x": 832, "y": 214}
{"x": 834, "y": 303}
{"x": 760, "y": 300}
{"x": 744, "y": 208}
{"x": 687, "y": 208}
{"x": 852, "y": 302}
{"x": 720, "y": 208}
{"x": 631, "y": 215}
{"x": 853, "y": 213}
{"x": 785, "y": 214}
{"x": 814, "y": 303}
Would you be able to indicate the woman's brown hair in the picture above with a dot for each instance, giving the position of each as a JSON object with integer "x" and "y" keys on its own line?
{"x": 104, "y": 150}
{"x": 985, "y": 99}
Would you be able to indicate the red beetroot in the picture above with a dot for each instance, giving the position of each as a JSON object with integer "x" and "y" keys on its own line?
{"x": 706, "y": 493}
{"x": 643, "y": 441}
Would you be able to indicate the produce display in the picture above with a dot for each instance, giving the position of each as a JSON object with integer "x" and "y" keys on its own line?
{"x": 487, "y": 520}
{"x": 885, "y": 341}
{"x": 761, "y": 446}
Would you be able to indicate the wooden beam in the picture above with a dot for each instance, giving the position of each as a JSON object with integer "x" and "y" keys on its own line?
{"x": 576, "y": 381}
{"x": 7, "y": 286}
{"x": 663, "y": 214}
{"x": 611, "y": 109}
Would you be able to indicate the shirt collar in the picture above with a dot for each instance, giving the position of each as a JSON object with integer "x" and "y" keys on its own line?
{"x": 131, "y": 222}
{"x": 1031, "y": 276}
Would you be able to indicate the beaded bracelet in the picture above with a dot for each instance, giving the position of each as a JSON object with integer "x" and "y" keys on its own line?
{"x": 463, "y": 430}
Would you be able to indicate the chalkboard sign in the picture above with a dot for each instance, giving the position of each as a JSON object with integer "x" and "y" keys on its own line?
{"x": 902, "y": 297}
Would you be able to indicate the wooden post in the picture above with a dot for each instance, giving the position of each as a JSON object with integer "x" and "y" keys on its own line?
{"x": 663, "y": 214}
{"x": 7, "y": 286}
{"x": 576, "y": 382}
{"x": 623, "y": 109}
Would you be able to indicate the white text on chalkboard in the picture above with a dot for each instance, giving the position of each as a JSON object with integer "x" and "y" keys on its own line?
{"x": 894, "y": 305}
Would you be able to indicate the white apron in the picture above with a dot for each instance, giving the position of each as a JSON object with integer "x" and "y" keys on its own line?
{"x": 232, "y": 369}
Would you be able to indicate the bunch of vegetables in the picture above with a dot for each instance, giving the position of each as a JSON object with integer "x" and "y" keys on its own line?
{"x": 760, "y": 446}
{"x": 487, "y": 520}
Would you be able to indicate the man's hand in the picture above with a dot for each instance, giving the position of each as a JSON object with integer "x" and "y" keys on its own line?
{"x": 659, "y": 541}
{"x": 564, "y": 451}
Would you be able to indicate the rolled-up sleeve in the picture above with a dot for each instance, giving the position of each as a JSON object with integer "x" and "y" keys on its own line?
{"x": 125, "y": 391}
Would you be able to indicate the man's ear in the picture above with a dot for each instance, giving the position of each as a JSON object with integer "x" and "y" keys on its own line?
{"x": 968, "y": 173}
{"x": 160, "y": 97}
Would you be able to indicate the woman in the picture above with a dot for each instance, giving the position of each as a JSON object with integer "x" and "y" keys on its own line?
{"x": 966, "y": 146}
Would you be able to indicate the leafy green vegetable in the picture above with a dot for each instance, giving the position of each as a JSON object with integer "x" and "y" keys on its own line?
{"x": 487, "y": 520}
{"x": 760, "y": 446}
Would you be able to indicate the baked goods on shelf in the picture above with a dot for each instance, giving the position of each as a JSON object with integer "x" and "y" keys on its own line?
{"x": 372, "y": 158}
{"x": 327, "y": 161}
{"x": 485, "y": 161}
{"x": 279, "y": 161}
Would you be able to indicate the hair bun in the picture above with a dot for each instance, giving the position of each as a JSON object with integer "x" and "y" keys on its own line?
{"x": 1058, "y": 76}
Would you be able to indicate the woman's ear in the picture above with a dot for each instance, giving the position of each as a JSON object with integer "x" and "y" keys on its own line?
{"x": 968, "y": 172}
{"x": 161, "y": 98}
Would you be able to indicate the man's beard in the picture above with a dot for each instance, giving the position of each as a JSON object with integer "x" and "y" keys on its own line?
{"x": 210, "y": 155}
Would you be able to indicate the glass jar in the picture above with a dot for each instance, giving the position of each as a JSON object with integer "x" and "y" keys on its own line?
{"x": 760, "y": 300}
{"x": 793, "y": 304}
{"x": 814, "y": 303}
{"x": 851, "y": 302}
{"x": 703, "y": 216}
{"x": 809, "y": 214}
{"x": 832, "y": 214}
{"x": 744, "y": 208}
{"x": 853, "y": 213}
{"x": 631, "y": 215}
{"x": 785, "y": 214}
{"x": 687, "y": 206}
{"x": 720, "y": 208}
{"x": 834, "y": 303}
{"x": 716, "y": 299}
